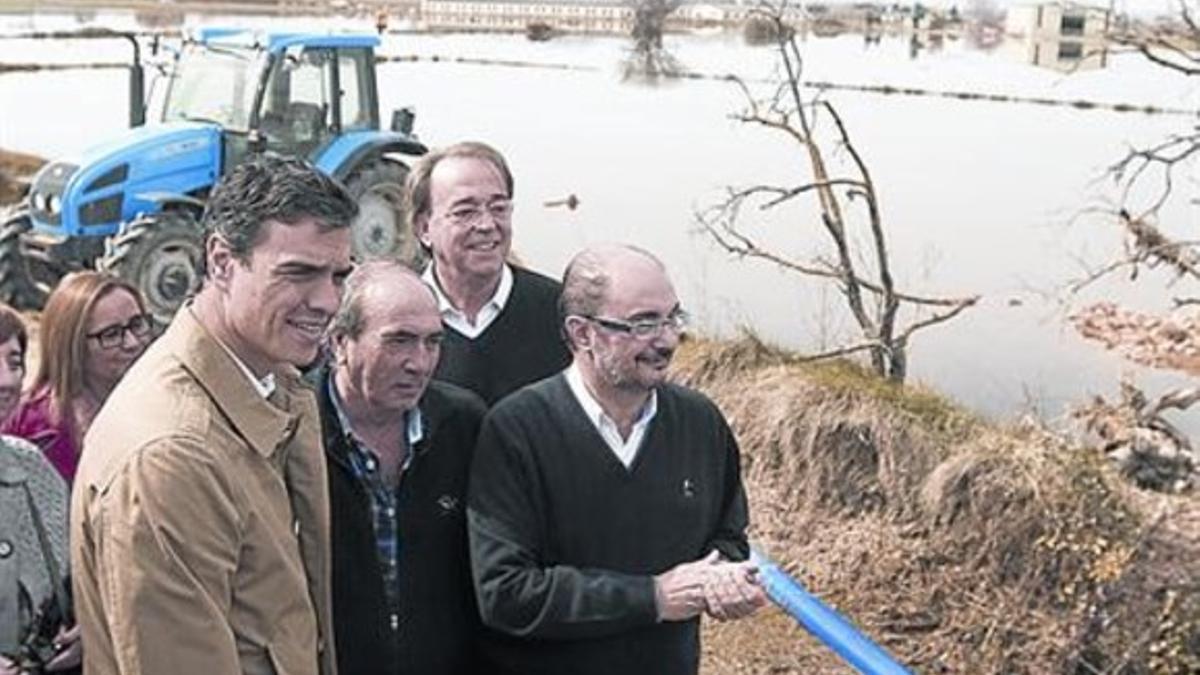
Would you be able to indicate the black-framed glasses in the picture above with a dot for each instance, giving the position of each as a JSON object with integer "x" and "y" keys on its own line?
{"x": 111, "y": 337}
{"x": 644, "y": 328}
{"x": 470, "y": 215}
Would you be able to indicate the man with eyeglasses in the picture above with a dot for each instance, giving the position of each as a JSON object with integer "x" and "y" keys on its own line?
{"x": 606, "y": 508}
{"x": 501, "y": 319}
{"x": 200, "y": 512}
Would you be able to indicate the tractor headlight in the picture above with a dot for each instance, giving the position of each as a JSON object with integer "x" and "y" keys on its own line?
{"x": 53, "y": 204}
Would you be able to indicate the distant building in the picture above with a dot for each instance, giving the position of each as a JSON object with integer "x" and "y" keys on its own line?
{"x": 1056, "y": 20}
{"x": 1063, "y": 36}
{"x": 599, "y": 16}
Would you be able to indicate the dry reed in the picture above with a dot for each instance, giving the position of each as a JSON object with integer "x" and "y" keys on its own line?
{"x": 960, "y": 546}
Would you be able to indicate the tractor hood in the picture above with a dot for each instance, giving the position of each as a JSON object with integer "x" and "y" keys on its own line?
{"x": 116, "y": 180}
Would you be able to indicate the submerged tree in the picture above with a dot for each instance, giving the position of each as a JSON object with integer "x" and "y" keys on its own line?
{"x": 1135, "y": 432}
{"x": 648, "y": 57}
{"x": 869, "y": 288}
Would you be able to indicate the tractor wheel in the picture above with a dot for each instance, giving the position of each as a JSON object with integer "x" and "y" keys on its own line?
{"x": 381, "y": 229}
{"x": 160, "y": 254}
{"x": 17, "y": 285}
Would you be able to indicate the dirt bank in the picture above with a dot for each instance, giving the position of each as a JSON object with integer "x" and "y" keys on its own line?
{"x": 15, "y": 167}
{"x": 961, "y": 547}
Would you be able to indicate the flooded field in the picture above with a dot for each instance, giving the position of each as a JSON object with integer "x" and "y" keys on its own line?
{"x": 978, "y": 197}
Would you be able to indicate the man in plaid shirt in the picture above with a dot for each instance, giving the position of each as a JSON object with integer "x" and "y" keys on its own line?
{"x": 399, "y": 448}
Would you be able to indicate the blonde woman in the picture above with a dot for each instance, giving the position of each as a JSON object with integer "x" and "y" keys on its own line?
{"x": 93, "y": 328}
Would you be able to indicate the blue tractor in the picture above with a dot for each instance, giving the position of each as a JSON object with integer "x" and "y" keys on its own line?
{"x": 131, "y": 206}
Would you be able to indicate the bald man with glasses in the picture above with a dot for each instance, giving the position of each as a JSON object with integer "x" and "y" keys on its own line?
{"x": 606, "y": 511}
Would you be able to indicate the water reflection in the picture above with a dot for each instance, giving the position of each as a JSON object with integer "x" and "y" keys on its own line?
{"x": 1066, "y": 56}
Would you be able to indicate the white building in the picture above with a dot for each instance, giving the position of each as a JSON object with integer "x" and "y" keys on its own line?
{"x": 1062, "y": 36}
{"x": 1057, "y": 20}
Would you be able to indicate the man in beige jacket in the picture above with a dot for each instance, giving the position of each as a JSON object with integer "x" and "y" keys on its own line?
{"x": 199, "y": 518}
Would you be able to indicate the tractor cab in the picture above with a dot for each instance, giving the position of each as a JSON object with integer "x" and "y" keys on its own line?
{"x": 291, "y": 94}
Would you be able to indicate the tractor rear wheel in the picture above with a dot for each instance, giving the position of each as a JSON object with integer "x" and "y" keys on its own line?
{"x": 160, "y": 254}
{"x": 17, "y": 285}
{"x": 381, "y": 229}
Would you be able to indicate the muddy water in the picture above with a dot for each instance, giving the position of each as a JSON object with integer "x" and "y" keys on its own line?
{"x": 979, "y": 198}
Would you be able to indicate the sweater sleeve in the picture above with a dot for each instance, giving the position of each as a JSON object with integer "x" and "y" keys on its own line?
{"x": 730, "y": 535}
{"x": 519, "y": 593}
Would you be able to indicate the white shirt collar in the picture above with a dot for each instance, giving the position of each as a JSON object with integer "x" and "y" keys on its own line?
{"x": 265, "y": 386}
{"x": 487, "y": 314}
{"x": 624, "y": 448}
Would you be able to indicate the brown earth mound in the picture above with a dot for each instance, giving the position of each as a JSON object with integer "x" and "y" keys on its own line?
{"x": 15, "y": 167}
{"x": 959, "y": 546}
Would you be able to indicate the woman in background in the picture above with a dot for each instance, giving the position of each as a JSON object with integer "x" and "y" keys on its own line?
{"x": 94, "y": 326}
{"x": 34, "y": 607}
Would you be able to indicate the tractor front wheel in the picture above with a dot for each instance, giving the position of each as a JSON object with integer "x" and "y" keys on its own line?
{"x": 381, "y": 229}
{"x": 160, "y": 255}
{"x": 17, "y": 285}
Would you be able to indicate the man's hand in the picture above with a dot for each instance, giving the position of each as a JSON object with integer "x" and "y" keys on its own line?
{"x": 71, "y": 650}
{"x": 732, "y": 591}
{"x": 679, "y": 592}
{"x": 7, "y": 667}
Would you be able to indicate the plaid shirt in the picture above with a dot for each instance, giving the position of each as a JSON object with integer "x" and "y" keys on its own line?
{"x": 384, "y": 506}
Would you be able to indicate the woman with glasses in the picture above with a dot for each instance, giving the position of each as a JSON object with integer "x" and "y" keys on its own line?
{"x": 93, "y": 328}
{"x": 35, "y": 631}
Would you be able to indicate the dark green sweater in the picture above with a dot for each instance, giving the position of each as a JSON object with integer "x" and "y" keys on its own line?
{"x": 565, "y": 540}
{"x": 523, "y": 345}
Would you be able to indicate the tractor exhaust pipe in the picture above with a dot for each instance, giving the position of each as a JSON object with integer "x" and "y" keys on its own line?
{"x": 137, "y": 85}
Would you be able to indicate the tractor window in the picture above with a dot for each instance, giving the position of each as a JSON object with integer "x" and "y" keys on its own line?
{"x": 296, "y": 108}
{"x": 213, "y": 85}
{"x": 354, "y": 67}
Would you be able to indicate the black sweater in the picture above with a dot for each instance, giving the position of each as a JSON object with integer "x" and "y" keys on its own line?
{"x": 565, "y": 540}
{"x": 524, "y": 344}
{"x": 439, "y": 624}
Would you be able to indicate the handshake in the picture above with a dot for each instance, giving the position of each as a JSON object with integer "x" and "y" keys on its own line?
{"x": 723, "y": 590}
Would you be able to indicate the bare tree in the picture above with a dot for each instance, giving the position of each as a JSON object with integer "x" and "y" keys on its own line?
{"x": 1134, "y": 430}
{"x": 869, "y": 289}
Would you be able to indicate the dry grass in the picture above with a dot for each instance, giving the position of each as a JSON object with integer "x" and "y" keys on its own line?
{"x": 959, "y": 546}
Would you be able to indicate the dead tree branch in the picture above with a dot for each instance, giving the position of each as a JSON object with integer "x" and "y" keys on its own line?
{"x": 863, "y": 277}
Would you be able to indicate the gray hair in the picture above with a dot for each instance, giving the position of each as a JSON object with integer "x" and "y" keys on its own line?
{"x": 272, "y": 187}
{"x": 350, "y": 318}
{"x": 587, "y": 279}
{"x": 418, "y": 186}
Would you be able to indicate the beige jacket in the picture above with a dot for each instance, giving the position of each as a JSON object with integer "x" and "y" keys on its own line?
{"x": 199, "y": 521}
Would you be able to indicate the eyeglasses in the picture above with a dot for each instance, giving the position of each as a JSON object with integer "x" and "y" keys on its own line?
{"x": 111, "y": 337}
{"x": 470, "y": 215}
{"x": 644, "y": 328}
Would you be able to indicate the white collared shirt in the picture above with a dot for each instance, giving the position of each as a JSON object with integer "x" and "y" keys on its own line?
{"x": 265, "y": 386}
{"x": 491, "y": 309}
{"x": 625, "y": 449}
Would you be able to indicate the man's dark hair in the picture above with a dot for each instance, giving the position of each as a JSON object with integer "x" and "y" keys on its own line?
{"x": 273, "y": 187}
